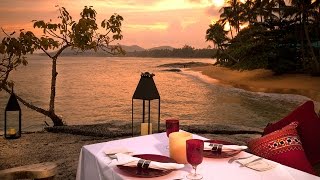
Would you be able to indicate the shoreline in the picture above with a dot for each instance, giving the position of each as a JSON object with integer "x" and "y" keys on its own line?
{"x": 63, "y": 144}
{"x": 261, "y": 80}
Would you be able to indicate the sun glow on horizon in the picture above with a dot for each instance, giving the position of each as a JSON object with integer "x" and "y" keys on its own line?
{"x": 156, "y": 26}
{"x": 218, "y": 3}
{"x": 146, "y": 23}
{"x": 227, "y": 27}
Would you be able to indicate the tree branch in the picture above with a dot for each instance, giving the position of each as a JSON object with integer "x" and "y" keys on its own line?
{"x": 39, "y": 45}
{"x": 9, "y": 69}
{"x": 108, "y": 32}
{"x": 4, "y": 32}
{"x": 29, "y": 105}
{"x": 55, "y": 35}
{"x": 60, "y": 50}
{"x": 106, "y": 48}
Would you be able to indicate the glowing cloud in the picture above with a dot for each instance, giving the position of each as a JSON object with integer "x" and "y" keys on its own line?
{"x": 218, "y": 3}
{"x": 146, "y": 23}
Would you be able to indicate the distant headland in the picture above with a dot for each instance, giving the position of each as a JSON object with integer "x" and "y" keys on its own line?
{"x": 155, "y": 52}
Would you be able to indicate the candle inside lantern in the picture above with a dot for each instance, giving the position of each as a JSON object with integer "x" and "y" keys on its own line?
{"x": 12, "y": 131}
{"x": 177, "y": 146}
{"x": 144, "y": 128}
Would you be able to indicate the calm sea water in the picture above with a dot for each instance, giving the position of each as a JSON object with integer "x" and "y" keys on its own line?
{"x": 99, "y": 89}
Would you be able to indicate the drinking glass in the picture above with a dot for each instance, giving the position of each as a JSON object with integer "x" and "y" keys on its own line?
{"x": 172, "y": 125}
{"x": 194, "y": 156}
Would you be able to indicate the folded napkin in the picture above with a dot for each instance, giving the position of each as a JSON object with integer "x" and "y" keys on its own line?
{"x": 256, "y": 163}
{"x": 224, "y": 148}
{"x": 111, "y": 152}
{"x": 122, "y": 150}
{"x": 127, "y": 160}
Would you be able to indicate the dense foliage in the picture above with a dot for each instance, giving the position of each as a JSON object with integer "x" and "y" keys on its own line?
{"x": 281, "y": 37}
{"x": 184, "y": 52}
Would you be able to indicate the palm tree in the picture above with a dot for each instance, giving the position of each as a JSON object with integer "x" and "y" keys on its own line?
{"x": 226, "y": 16}
{"x": 306, "y": 12}
{"x": 260, "y": 7}
{"x": 249, "y": 13}
{"x": 218, "y": 36}
{"x": 232, "y": 15}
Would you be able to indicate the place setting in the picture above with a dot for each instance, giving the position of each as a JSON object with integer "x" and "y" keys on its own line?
{"x": 145, "y": 165}
{"x": 223, "y": 149}
{"x": 185, "y": 150}
{"x": 141, "y": 165}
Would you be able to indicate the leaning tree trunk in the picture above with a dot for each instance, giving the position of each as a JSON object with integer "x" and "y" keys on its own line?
{"x": 57, "y": 121}
{"x": 303, "y": 53}
{"x": 231, "y": 57}
{"x": 231, "y": 31}
{"x": 315, "y": 64}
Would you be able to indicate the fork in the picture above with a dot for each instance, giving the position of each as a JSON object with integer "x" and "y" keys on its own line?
{"x": 231, "y": 160}
{"x": 255, "y": 160}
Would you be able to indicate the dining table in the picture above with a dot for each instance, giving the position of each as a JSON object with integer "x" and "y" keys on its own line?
{"x": 94, "y": 164}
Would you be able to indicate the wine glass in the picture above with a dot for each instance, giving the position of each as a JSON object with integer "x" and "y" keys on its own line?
{"x": 172, "y": 125}
{"x": 194, "y": 156}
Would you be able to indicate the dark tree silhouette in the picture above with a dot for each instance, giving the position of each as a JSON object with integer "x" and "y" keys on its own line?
{"x": 79, "y": 35}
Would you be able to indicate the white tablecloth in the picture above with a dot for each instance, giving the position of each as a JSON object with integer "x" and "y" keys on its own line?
{"x": 93, "y": 163}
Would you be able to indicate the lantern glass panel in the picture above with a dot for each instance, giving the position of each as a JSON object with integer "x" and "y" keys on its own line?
{"x": 12, "y": 124}
{"x": 140, "y": 126}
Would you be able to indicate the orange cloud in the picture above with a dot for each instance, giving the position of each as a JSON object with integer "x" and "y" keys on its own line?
{"x": 146, "y": 23}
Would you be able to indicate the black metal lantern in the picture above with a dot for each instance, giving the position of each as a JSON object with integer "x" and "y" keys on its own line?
{"x": 12, "y": 118}
{"x": 146, "y": 91}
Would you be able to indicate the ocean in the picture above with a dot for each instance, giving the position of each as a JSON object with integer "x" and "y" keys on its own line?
{"x": 99, "y": 89}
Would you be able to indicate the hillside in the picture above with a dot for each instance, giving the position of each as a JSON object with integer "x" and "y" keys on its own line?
{"x": 128, "y": 49}
{"x": 161, "y": 47}
{"x": 155, "y": 52}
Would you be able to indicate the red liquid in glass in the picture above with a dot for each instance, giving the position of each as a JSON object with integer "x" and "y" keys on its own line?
{"x": 194, "y": 151}
{"x": 172, "y": 125}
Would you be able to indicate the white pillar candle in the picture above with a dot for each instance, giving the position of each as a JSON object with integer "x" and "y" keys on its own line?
{"x": 144, "y": 128}
{"x": 177, "y": 146}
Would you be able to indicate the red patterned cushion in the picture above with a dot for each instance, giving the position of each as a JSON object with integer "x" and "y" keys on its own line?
{"x": 283, "y": 146}
{"x": 308, "y": 129}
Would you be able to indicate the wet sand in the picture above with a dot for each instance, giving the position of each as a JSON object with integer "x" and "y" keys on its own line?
{"x": 264, "y": 81}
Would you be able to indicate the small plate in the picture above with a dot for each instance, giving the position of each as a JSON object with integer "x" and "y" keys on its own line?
{"x": 209, "y": 154}
{"x": 147, "y": 173}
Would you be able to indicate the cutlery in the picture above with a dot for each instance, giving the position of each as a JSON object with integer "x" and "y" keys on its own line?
{"x": 237, "y": 158}
{"x": 255, "y": 160}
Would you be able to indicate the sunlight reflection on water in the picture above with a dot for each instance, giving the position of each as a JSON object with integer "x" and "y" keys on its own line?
{"x": 98, "y": 89}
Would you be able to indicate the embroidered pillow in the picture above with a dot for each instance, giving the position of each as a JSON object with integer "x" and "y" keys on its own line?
{"x": 308, "y": 129}
{"x": 282, "y": 146}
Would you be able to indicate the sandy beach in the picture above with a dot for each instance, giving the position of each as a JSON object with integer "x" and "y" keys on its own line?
{"x": 63, "y": 145}
{"x": 264, "y": 81}
{"x": 64, "y": 148}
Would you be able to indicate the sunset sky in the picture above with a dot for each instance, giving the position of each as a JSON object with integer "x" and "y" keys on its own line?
{"x": 147, "y": 23}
